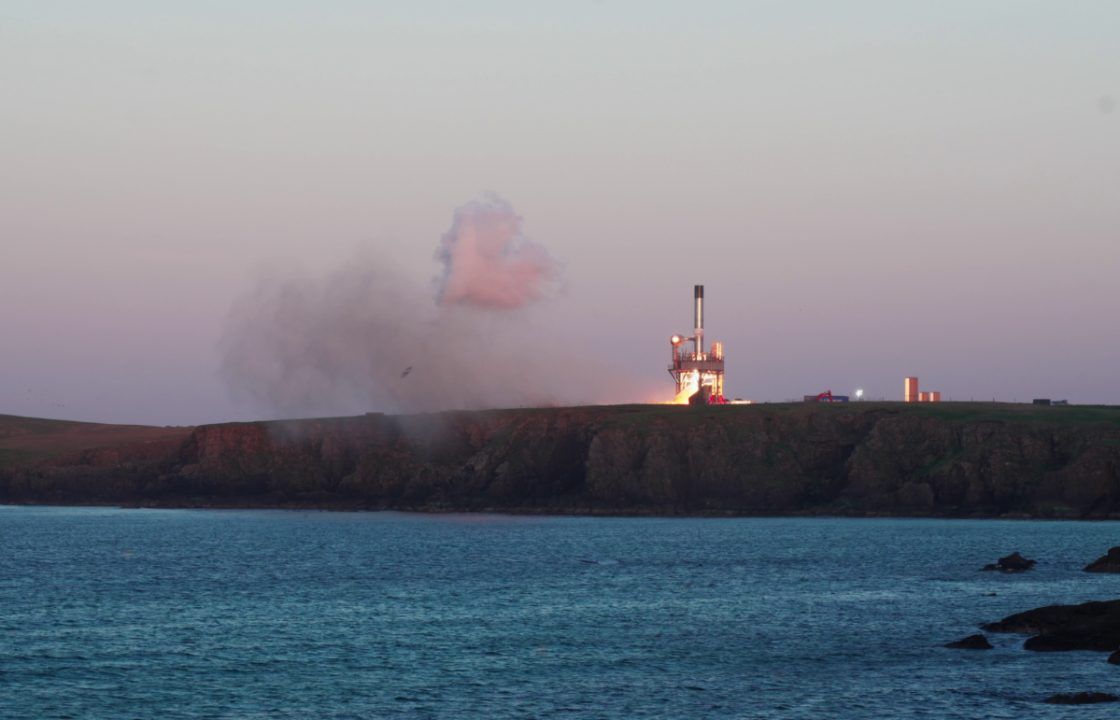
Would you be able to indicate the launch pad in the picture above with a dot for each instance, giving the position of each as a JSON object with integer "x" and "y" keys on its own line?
{"x": 698, "y": 374}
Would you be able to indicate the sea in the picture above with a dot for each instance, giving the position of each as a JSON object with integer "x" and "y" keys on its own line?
{"x": 137, "y": 613}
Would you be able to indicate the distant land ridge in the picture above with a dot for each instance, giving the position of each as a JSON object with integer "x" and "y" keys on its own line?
{"x": 947, "y": 459}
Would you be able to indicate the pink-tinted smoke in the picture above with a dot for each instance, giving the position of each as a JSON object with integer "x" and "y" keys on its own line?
{"x": 343, "y": 343}
{"x": 488, "y": 262}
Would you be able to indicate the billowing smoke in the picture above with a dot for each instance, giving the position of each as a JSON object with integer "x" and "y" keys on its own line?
{"x": 488, "y": 263}
{"x": 363, "y": 339}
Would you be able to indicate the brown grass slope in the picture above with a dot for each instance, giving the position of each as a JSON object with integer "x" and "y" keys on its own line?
{"x": 31, "y": 441}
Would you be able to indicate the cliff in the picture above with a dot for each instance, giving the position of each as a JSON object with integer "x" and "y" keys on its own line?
{"x": 950, "y": 459}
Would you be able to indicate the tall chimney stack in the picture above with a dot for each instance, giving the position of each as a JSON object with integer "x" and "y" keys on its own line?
{"x": 698, "y": 319}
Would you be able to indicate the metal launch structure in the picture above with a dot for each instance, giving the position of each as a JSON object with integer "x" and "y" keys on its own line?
{"x": 698, "y": 374}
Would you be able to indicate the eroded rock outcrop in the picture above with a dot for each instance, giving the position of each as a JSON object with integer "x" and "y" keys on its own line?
{"x": 972, "y": 642}
{"x": 1109, "y": 563}
{"x": 1013, "y": 563}
{"x": 1088, "y": 626}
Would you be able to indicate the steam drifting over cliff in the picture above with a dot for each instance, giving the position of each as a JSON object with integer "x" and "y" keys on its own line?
{"x": 364, "y": 339}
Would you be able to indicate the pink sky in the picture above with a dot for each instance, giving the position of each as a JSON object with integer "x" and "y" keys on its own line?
{"x": 866, "y": 194}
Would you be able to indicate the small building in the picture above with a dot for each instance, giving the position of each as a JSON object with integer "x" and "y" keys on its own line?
{"x": 911, "y": 393}
{"x": 910, "y": 389}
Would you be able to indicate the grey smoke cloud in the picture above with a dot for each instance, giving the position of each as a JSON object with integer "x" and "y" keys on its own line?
{"x": 344, "y": 343}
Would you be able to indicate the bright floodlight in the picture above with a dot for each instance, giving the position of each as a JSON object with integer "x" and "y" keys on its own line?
{"x": 859, "y": 393}
{"x": 676, "y": 339}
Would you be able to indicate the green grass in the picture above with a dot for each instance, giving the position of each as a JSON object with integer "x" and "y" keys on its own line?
{"x": 1018, "y": 413}
{"x": 965, "y": 412}
{"x": 635, "y": 415}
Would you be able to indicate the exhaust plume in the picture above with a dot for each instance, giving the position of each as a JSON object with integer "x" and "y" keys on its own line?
{"x": 488, "y": 262}
{"x": 363, "y": 339}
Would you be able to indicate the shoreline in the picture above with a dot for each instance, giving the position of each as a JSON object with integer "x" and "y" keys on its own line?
{"x": 549, "y": 512}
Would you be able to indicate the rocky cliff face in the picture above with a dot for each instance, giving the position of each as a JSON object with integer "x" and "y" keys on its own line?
{"x": 955, "y": 459}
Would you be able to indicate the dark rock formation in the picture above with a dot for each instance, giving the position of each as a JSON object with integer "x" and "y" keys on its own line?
{"x": 972, "y": 642}
{"x": 1013, "y": 563}
{"x": 948, "y": 459}
{"x": 1114, "y": 658}
{"x": 1088, "y": 626}
{"x": 1081, "y": 698}
{"x": 1109, "y": 563}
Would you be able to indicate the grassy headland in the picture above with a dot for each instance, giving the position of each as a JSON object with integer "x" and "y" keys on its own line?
{"x": 946, "y": 459}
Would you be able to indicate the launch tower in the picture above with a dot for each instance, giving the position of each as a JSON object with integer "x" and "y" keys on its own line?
{"x": 698, "y": 374}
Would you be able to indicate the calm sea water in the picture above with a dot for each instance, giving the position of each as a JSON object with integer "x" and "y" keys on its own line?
{"x": 108, "y": 613}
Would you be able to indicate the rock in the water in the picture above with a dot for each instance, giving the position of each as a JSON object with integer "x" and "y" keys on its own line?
{"x": 1081, "y": 698}
{"x": 1088, "y": 626}
{"x": 972, "y": 642}
{"x": 1012, "y": 563}
{"x": 1114, "y": 658}
{"x": 1110, "y": 563}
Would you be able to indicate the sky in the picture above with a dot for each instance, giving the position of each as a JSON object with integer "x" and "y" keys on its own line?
{"x": 868, "y": 190}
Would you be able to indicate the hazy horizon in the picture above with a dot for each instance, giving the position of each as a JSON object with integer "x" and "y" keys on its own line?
{"x": 866, "y": 192}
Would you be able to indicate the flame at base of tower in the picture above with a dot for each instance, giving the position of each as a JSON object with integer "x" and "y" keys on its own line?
{"x": 688, "y": 388}
{"x": 691, "y": 382}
